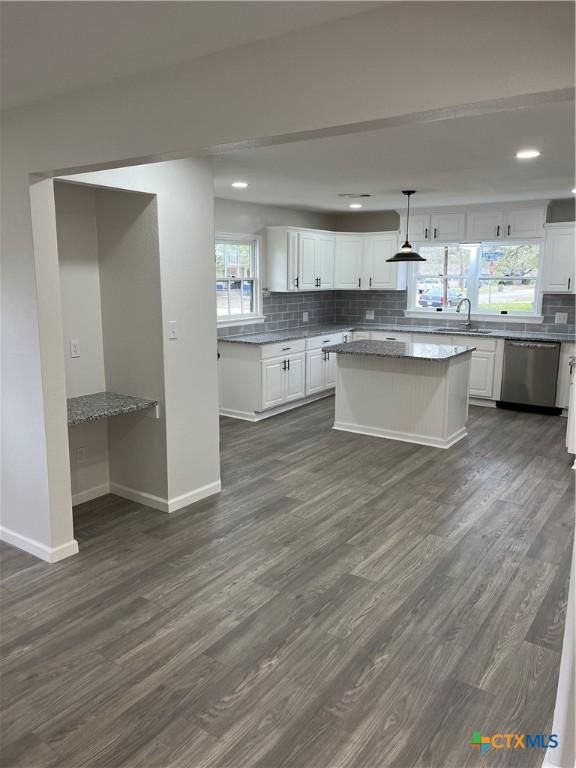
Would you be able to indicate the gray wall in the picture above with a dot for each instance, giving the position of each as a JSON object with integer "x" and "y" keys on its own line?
{"x": 374, "y": 221}
{"x": 250, "y": 218}
{"x": 561, "y": 210}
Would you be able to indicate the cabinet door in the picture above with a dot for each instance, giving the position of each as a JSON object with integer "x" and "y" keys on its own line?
{"x": 484, "y": 225}
{"x": 295, "y": 378}
{"x": 419, "y": 228}
{"x": 559, "y": 260}
{"x": 482, "y": 374}
{"x": 563, "y": 389}
{"x": 330, "y": 370}
{"x": 308, "y": 261}
{"x": 314, "y": 371}
{"x": 525, "y": 222}
{"x": 377, "y": 273}
{"x": 326, "y": 245}
{"x": 273, "y": 383}
{"x": 348, "y": 262}
{"x": 292, "y": 257}
{"x": 448, "y": 227}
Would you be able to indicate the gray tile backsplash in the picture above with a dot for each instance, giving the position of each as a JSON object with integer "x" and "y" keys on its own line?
{"x": 284, "y": 310}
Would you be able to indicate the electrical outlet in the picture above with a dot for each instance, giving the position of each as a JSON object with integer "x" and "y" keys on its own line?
{"x": 561, "y": 318}
{"x": 74, "y": 348}
{"x": 172, "y": 329}
{"x": 369, "y": 314}
{"x": 304, "y": 317}
{"x": 80, "y": 455}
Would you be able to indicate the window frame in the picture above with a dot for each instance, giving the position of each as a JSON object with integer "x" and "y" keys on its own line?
{"x": 256, "y": 315}
{"x": 473, "y": 284}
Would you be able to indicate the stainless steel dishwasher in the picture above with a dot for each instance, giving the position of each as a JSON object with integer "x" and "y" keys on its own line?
{"x": 530, "y": 373}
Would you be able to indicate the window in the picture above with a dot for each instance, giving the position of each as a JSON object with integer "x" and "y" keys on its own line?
{"x": 496, "y": 277}
{"x": 237, "y": 289}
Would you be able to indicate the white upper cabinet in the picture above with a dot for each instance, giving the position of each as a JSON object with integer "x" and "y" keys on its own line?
{"x": 525, "y": 222}
{"x": 326, "y": 245}
{"x": 419, "y": 227}
{"x": 448, "y": 227}
{"x": 348, "y": 262}
{"x": 308, "y": 261}
{"x": 559, "y": 259}
{"x": 484, "y": 225}
{"x": 377, "y": 273}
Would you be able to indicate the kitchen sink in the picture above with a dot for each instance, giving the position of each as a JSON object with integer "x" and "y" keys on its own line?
{"x": 459, "y": 329}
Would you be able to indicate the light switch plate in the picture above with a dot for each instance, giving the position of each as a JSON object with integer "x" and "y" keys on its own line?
{"x": 304, "y": 317}
{"x": 172, "y": 329}
{"x": 74, "y": 348}
{"x": 561, "y": 318}
{"x": 369, "y": 314}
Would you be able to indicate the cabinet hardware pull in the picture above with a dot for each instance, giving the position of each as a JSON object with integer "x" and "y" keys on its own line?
{"x": 296, "y": 281}
{"x": 426, "y": 233}
{"x": 286, "y": 349}
{"x": 370, "y": 283}
{"x": 498, "y": 231}
{"x": 508, "y": 230}
{"x": 359, "y": 282}
{"x": 569, "y": 280}
{"x": 319, "y": 282}
{"x": 435, "y": 233}
{"x": 288, "y": 361}
{"x": 284, "y": 365}
{"x": 326, "y": 341}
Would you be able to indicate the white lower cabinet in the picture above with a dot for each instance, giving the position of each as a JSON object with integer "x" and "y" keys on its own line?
{"x": 482, "y": 373}
{"x": 567, "y": 350}
{"x": 320, "y": 371}
{"x": 283, "y": 380}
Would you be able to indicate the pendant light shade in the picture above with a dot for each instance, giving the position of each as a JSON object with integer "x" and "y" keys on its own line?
{"x": 406, "y": 253}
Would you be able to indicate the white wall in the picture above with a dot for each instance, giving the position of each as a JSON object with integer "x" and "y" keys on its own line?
{"x": 251, "y": 218}
{"x": 324, "y": 79}
{"x": 132, "y": 330}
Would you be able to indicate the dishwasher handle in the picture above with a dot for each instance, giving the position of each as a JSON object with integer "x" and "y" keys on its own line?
{"x": 533, "y": 344}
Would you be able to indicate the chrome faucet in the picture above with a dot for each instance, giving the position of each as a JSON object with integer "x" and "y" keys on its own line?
{"x": 467, "y": 324}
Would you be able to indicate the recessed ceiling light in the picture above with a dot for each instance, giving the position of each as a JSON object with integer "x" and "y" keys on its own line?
{"x": 574, "y": 191}
{"x": 239, "y": 184}
{"x": 355, "y": 205}
{"x": 528, "y": 154}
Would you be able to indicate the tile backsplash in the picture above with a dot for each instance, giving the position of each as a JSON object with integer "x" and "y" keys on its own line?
{"x": 284, "y": 310}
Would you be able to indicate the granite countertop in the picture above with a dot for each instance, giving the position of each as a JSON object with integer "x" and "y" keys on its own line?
{"x": 494, "y": 334}
{"x": 102, "y": 405}
{"x": 301, "y": 332}
{"x": 399, "y": 349}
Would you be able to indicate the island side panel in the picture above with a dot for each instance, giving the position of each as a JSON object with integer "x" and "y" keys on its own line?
{"x": 456, "y": 407}
{"x": 401, "y": 399}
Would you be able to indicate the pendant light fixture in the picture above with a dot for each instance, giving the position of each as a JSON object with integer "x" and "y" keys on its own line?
{"x": 406, "y": 253}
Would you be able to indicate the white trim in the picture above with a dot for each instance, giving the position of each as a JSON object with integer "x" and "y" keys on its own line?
{"x": 260, "y": 415}
{"x": 164, "y": 504}
{"x": 90, "y": 493}
{"x": 490, "y": 318}
{"x": 405, "y": 437}
{"x": 241, "y": 320}
{"x": 49, "y": 554}
{"x": 485, "y": 403}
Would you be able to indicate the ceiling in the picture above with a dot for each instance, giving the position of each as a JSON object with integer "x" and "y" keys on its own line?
{"x": 455, "y": 161}
{"x": 49, "y": 48}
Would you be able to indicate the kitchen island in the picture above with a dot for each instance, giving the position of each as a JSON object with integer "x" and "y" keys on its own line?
{"x": 417, "y": 393}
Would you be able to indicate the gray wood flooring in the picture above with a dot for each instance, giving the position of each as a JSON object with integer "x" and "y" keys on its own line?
{"x": 345, "y": 601}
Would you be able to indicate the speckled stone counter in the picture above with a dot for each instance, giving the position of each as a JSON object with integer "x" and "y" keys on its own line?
{"x": 299, "y": 332}
{"x": 103, "y": 405}
{"x": 399, "y": 349}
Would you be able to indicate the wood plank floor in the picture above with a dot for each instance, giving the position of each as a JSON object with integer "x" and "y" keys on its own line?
{"x": 346, "y": 601}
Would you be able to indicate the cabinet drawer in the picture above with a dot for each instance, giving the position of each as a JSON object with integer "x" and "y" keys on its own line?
{"x": 315, "y": 342}
{"x": 283, "y": 348}
{"x": 360, "y": 335}
{"x": 433, "y": 338}
{"x": 390, "y": 336}
{"x": 482, "y": 344}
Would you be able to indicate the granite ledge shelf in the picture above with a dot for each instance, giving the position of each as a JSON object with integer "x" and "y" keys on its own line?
{"x": 103, "y": 405}
{"x": 399, "y": 350}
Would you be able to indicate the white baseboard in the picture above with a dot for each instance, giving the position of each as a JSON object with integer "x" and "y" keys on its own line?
{"x": 90, "y": 493}
{"x": 260, "y": 415}
{"x": 405, "y": 437}
{"x": 50, "y": 554}
{"x": 164, "y": 504}
{"x": 485, "y": 403}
